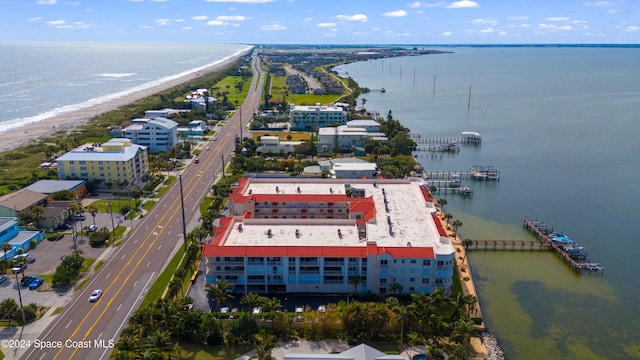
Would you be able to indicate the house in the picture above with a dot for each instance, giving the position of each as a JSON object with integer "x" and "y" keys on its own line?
{"x": 318, "y": 116}
{"x": 20, "y": 201}
{"x": 346, "y": 138}
{"x": 367, "y": 124}
{"x": 158, "y": 135}
{"x": 314, "y": 235}
{"x": 116, "y": 162}
{"x": 360, "y": 352}
{"x": 273, "y": 145}
{"x": 354, "y": 171}
{"x": 11, "y": 234}
{"x": 48, "y": 187}
{"x": 195, "y": 130}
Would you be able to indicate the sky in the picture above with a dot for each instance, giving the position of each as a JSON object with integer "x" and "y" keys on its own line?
{"x": 324, "y": 21}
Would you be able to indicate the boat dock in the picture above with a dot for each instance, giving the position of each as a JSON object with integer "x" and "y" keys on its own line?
{"x": 573, "y": 259}
{"x": 467, "y": 137}
{"x": 474, "y": 173}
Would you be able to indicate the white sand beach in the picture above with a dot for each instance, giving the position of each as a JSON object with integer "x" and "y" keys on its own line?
{"x": 21, "y": 136}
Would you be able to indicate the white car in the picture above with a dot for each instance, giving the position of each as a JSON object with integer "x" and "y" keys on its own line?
{"x": 93, "y": 228}
{"x": 95, "y": 295}
{"x": 299, "y": 309}
{"x": 224, "y": 310}
{"x": 257, "y": 310}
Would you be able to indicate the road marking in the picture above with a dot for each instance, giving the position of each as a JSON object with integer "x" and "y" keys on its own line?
{"x": 149, "y": 263}
{"x": 118, "y": 309}
{"x": 159, "y": 247}
{"x": 123, "y": 256}
{"x": 108, "y": 275}
{"x": 70, "y": 321}
{"x": 135, "y": 283}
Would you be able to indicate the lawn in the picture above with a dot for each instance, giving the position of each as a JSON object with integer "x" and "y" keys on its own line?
{"x": 295, "y": 136}
{"x": 229, "y": 85}
{"x": 198, "y": 352}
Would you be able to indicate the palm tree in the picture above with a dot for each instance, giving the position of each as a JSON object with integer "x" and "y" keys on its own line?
{"x": 251, "y": 300}
{"x": 263, "y": 343}
{"x": 355, "y": 280}
{"x": 395, "y": 288}
{"x": 448, "y": 216}
{"x": 442, "y": 202}
{"x": 219, "y": 291}
{"x": 456, "y": 224}
{"x": 464, "y": 330}
{"x": 6, "y": 247}
{"x": 466, "y": 243}
{"x": 160, "y": 340}
{"x": 38, "y": 214}
{"x": 270, "y": 306}
{"x": 93, "y": 210}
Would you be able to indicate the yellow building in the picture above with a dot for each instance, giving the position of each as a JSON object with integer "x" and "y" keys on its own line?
{"x": 117, "y": 162}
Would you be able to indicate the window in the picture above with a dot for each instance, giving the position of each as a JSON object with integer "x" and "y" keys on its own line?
{"x": 412, "y": 279}
{"x": 425, "y": 280}
{"x": 426, "y": 262}
{"x": 413, "y": 261}
{"x": 383, "y": 281}
{"x": 383, "y": 262}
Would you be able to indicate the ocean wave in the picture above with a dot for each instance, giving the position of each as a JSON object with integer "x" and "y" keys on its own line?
{"x": 116, "y": 75}
{"x": 20, "y": 122}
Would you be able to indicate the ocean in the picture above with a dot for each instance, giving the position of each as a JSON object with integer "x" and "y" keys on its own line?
{"x": 561, "y": 124}
{"x": 42, "y": 80}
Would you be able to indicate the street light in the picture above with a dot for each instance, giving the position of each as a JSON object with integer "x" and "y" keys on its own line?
{"x": 19, "y": 293}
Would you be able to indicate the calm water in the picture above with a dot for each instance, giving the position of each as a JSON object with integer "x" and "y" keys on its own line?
{"x": 41, "y": 80}
{"x": 562, "y": 125}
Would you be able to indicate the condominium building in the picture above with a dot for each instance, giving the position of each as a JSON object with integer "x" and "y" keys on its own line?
{"x": 345, "y": 137}
{"x": 116, "y": 162}
{"x": 331, "y": 236}
{"x": 158, "y": 134}
{"x": 318, "y": 116}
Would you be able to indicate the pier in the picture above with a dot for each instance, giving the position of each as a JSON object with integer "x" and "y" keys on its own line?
{"x": 467, "y": 137}
{"x": 474, "y": 173}
{"x": 542, "y": 231}
{"x": 509, "y": 245}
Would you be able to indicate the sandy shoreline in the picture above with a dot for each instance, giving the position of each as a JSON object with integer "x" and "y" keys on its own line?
{"x": 21, "y": 136}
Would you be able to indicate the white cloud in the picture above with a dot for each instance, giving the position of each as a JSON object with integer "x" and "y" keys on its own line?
{"x": 356, "y": 17}
{"x": 447, "y": 33}
{"x": 138, "y": 1}
{"x": 179, "y": 20}
{"x": 273, "y": 27}
{"x": 560, "y": 18}
{"x": 242, "y": 1}
{"x": 163, "y": 22}
{"x": 187, "y": 28}
{"x": 199, "y": 17}
{"x": 492, "y": 22}
{"x": 554, "y": 27}
{"x": 517, "y": 18}
{"x": 419, "y": 4}
{"x": 35, "y": 19}
{"x": 632, "y": 28}
{"x": 215, "y": 23}
{"x": 159, "y": 0}
{"x": 327, "y": 25}
{"x": 232, "y": 18}
{"x": 46, "y": 2}
{"x": 397, "y": 13}
{"x": 487, "y": 30}
{"x": 463, "y": 4}
{"x": 63, "y": 24}
{"x": 56, "y": 22}
{"x": 599, "y": 3}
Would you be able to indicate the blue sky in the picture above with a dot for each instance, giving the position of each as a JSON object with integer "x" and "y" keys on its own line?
{"x": 323, "y": 21}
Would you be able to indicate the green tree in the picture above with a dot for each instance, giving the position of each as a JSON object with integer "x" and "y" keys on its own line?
{"x": 251, "y": 300}
{"x": 9, "y": 309}
{"x": 220, "y": 292}
{"x": 263, "y": 343}
{"x": 6, "y": 247}
{"x": 355, "y": 280}
{"x": 463, "y": 331}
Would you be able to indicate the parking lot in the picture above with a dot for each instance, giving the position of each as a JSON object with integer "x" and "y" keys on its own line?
{"x": 48, "y": 255}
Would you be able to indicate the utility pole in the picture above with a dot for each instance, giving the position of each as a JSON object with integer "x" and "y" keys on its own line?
{"x": 223, "y": 172}
{"x": 184, "y": 225}
{"x": 20, "y": 294}
{"x": 240, "y": 123}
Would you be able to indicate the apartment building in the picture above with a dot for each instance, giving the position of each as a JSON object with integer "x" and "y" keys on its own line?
{"x": 115, "y": 162}
{"x": 158, "y": 134}
{"x": 304, "y": 118}
{"x": 331, "y": 236}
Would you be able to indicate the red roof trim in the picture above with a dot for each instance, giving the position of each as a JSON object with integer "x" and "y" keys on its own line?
{"x": 281, "y": 251}
{"x": 299, "y": 197}
{"x": 441, "y": 230}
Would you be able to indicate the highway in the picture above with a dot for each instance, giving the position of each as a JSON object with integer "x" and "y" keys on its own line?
{"x": 87, "y": 330}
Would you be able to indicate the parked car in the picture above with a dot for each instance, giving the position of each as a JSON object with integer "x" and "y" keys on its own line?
{"x": 30, "y": 258}
{"x": 18, "y": 268}
{"x": 66, "y": 227}
{"x": 36, "y": 283}
{"x": 196, "y": 160}
{"x": 93, "y": 228}
{"x": 3, "y": 278}
{"x": 95, "y": 295}
{"x": 27, "y": 280}
{"x": 79, "y": 217}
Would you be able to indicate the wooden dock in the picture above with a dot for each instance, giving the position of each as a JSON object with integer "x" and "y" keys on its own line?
{"x": 479, "y": 173}
{"x": 542, "y": 231}
{"x": 509, "y": 245}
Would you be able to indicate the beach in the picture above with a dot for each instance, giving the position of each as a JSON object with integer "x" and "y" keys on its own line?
{"x": 18, "y": 137}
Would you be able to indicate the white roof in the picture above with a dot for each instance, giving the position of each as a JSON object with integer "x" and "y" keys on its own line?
{"x": 410, "y": 214}
{"x": 82, "y": 153}
{"x": 355, "y": 167}
{"x": 363, "y": 122}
